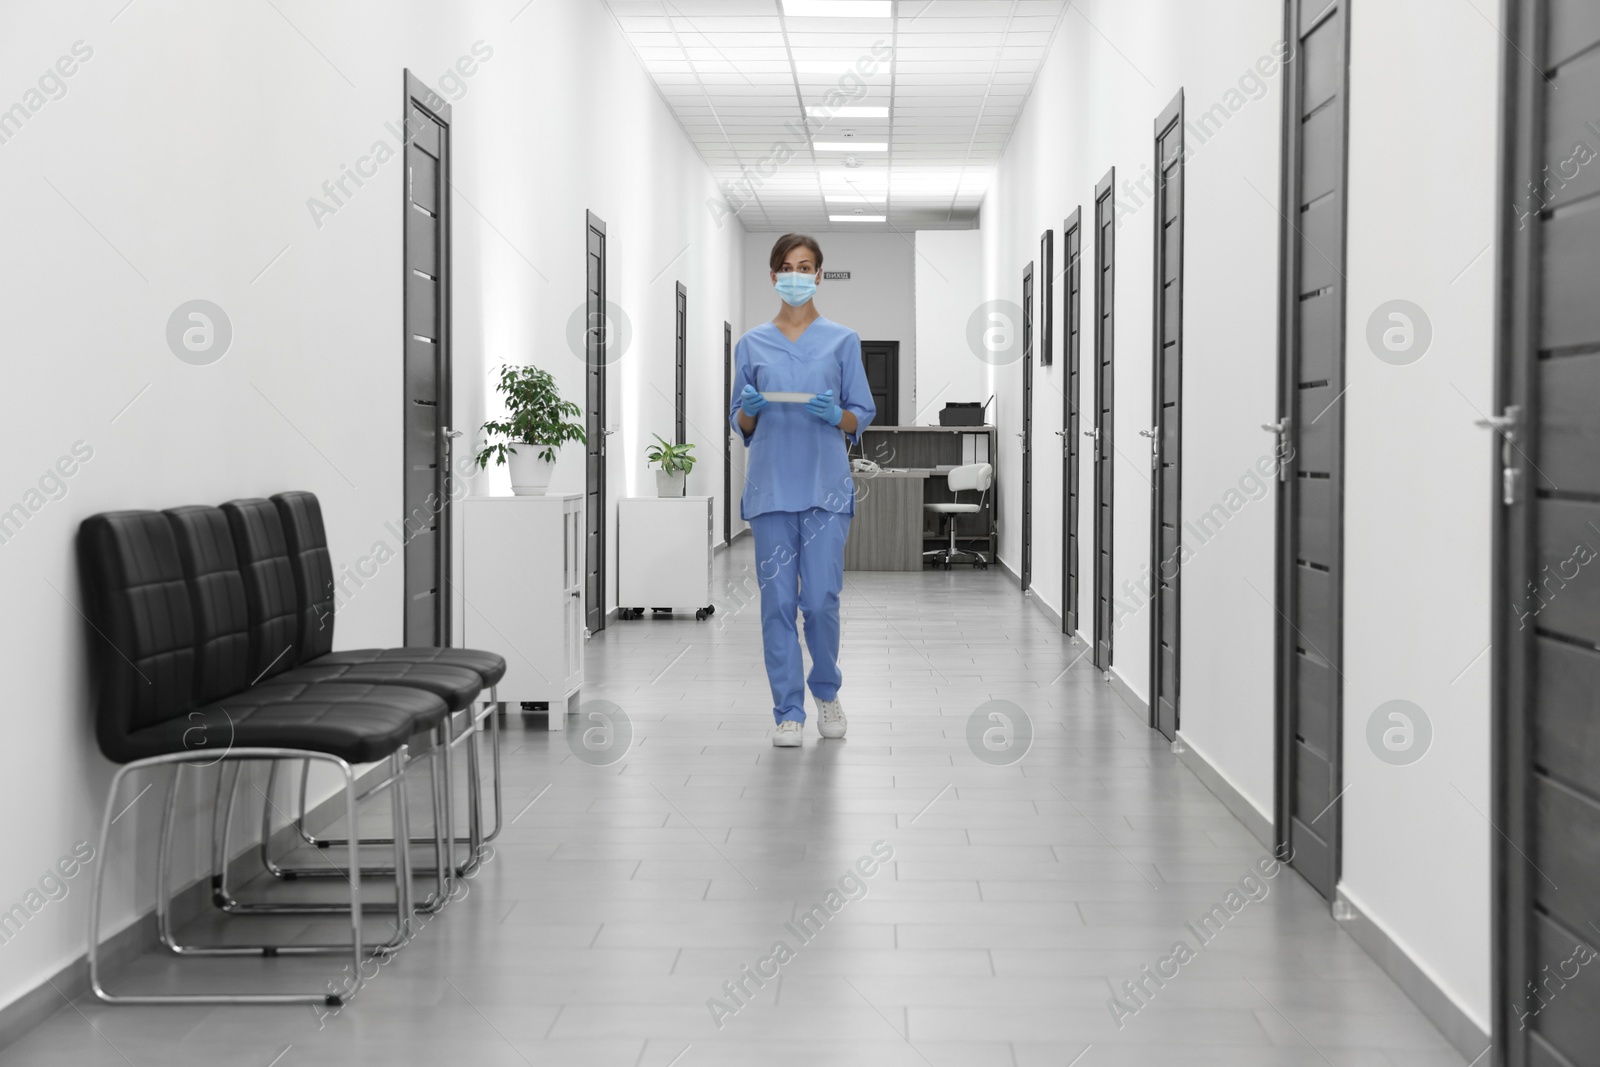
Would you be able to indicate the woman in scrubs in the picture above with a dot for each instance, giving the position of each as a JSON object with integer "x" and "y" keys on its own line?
{"x": 798, "y": 494}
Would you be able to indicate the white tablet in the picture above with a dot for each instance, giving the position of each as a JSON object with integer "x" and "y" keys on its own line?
{"x": 788, "y": 398}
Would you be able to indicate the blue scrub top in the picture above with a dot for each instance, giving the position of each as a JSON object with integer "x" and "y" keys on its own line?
{"x": 797, "y": 461}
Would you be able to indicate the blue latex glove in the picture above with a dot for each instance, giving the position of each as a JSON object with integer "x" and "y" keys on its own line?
{"x": 823, "y": 407}
{"x": 751, "y": 401}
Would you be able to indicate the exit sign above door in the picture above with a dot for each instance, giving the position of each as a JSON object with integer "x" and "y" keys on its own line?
{"x": 836, "y": 275}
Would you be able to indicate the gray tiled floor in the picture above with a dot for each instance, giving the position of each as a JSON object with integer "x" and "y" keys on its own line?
{"x": 622, "y": 897}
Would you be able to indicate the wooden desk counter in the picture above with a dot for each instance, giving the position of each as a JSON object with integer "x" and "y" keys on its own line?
{"x": 886, "y": 532}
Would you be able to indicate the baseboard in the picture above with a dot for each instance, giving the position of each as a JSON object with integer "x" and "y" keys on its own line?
{"x": 1049, "y": 612}
{"x": 56, "y": 992}
{"x": 1259, "y": 825}
{"x": 1136, "y": 704}
{"x": 724, "y": 546}
{"x": 1016, "y": 580}
{"x": 1455, "y": 1024}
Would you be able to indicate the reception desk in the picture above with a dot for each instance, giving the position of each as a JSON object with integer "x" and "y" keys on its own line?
{"x": 891, "y": 530}
{"x": 886, "y": 533}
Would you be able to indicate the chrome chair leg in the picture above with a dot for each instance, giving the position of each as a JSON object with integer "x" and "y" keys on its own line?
{"x": 432, "y": 903}
{"x": 97, "y": 892}
{"x": 225, "y": 900}
{"x": 474, "y": 724}
{"x": 494, "y": 755}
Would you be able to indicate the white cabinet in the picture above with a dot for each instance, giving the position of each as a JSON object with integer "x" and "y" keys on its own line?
{"x": 664, "y": 553}
{"x": 523, "y": 593}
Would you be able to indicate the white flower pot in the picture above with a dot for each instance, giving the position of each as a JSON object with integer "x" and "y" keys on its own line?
{"x": 530, "y": 472}
{"x": 671, "y": 484}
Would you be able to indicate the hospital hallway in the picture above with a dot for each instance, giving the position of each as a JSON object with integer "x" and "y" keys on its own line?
{"x": 1185, "y": 414}
{"x": 1018, "y": 900}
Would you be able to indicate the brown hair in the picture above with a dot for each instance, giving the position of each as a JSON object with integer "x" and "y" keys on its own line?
{"x": 788, "y": 243}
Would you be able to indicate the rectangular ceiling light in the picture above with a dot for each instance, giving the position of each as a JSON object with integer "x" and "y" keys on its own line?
{"x": 848, "y": 198}
{"x": 854, "y": 111}
{"x": 850, "y": 146}
{"x": 858, "y": 218}
{"x": 837, "y": 9}
{"x": 836, "y": 67}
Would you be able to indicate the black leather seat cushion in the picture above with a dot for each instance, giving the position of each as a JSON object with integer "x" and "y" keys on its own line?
{"x": 456, "y": 686}
{"x": 152, "y": 622}
{"x": 358, "y": 723}
{"x": 489, "y": 666}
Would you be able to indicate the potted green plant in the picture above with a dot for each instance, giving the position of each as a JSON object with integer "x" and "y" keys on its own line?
{"x": 675, "y": 461}
{"x": 537, "y": 423}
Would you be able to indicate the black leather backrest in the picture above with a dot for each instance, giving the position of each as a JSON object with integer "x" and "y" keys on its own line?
{"x": 268, "y": 586}
{"x": 216, "y": 594}
{"x": 313, "y": 570}
{"x": 142, "y": 641}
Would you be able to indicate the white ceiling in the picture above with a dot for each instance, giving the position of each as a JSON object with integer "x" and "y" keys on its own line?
{"x": 738, "y": 74}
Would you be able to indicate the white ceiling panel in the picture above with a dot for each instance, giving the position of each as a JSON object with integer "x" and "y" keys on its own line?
{"x": 955, "y": 82}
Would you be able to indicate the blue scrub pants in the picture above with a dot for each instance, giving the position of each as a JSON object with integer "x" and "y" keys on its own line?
{"x": 800, "y": 564}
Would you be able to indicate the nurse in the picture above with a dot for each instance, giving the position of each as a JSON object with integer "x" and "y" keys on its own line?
{"x": 798, "y": 494}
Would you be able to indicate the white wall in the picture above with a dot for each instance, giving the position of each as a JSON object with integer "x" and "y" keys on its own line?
{"x": 178, "y": 166}
{"x": 949, "y": 271}
{"x": 1419, "y": 485}
{"x": 1091, "y": 109}
{"x": 877, "y": 301}
{"x": 1417, "y": 505}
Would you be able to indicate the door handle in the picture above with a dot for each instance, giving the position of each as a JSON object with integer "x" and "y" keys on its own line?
{"x": 1281, "y": 430}
{"x": 449, "y": 433}
{"x": 1506, "y": 426}
{"x": 1155, "y": 446}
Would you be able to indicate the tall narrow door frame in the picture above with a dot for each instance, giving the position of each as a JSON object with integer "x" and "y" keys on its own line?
{"x": 1545, "y": 481}
{"x": 1105, "y": 334}
{"x": 1025, "y": 572}
{"x": 595, "y": 356}
{"x": 680, "y": 349}
{"x": 727, "y": 434}
{"x": 1310, "y": 435}
{"x": 881, "y": 361}
{"x": 1071, "y": 343}
{"x": 426, "y": 362}
{"x": 1166, "y": 419}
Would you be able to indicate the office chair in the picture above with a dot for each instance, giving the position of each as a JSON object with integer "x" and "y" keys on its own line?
{"x": 977, "y": 476}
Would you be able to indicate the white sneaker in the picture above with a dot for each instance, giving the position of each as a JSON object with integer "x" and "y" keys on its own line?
{"x": 830, "y": 718}
{"x": 789, "y": 734}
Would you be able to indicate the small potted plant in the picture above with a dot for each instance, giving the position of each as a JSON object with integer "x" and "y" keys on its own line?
{"x": 537, "y": 423}
{"x": 675, "y": 461}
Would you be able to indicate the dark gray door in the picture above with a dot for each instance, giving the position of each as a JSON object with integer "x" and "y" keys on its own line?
{"x": 1026, "y": 433}
{"x": 680, "y": 348}
{"x": 595, "y": 355}
{"x": 1072, "y": 288}
{"x": 1311, "y": 441}
{"x": 1105, "y": 322}
{"x": 1546, "y": 628}
{"x": 727, "y": 433}
{"x": 1166, "y": 483}
{"x": 426, "y": 237}
{"x": 881, "y": 361}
